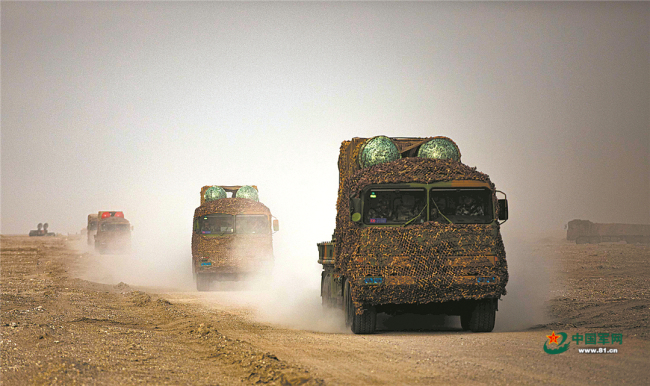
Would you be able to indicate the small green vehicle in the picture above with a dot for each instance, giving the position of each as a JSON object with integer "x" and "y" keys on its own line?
{"x": 417, "y": 231}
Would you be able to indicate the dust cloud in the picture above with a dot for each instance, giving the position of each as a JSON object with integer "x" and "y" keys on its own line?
{"x": 289, "y": 294}
{"x": 152, "y": 262}
{"x": 529, "y": 270}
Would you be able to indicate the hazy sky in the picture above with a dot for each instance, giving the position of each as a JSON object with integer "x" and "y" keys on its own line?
{"x": 135, "y": 106}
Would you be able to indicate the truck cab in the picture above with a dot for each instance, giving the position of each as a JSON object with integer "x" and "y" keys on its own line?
{"x": 416, "y": 231}
{"x": 231, "y": 235}
{"x": 113, "y": 233}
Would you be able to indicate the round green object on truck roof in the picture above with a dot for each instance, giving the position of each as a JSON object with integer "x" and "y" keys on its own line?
{"x": 440, "y": 148}
{"x": 378, "y": 150}
{"x": 248, "y": 192}
{"x": 214, "y": 193}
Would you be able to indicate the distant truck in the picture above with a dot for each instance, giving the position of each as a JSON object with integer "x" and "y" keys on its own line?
{"x": 416, "y": 231}
{"x": 585, "y": 231}
{"x": 41, "y": 230}
{"x": 113, "y": 233}
{"x": 91, "y": 228}
{"x": 232, "y": 236}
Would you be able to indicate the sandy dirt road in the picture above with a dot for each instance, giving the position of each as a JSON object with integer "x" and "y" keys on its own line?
{"x": 58, "y": 329}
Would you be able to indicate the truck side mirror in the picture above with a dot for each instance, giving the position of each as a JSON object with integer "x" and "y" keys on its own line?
{"x": 503, "y": 209}
{"x": 276, "y": 225}
{"x": 355, "y": 205}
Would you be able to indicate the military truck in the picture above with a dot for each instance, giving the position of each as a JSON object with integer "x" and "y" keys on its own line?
{"x": 113, "y": 233}
{"x": 417, "y": 231}
{"x": 41, "y": 230}
{"x": 91, "y": 228}
{"x": 585, "y": 231}
{"x": 232, "y": 235}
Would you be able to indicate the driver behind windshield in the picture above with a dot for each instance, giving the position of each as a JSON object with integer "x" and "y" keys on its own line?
{"x": 470, "y": 206}
{"x": 408, "y": 208}
{"x": 381, "y": 210}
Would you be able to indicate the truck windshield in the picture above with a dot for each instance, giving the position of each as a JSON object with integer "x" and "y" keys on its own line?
{"x": 394, "y": 206}
{"x": 252, "y": 224}
{"x": 217, "y": 223}
{"x": 108, "y": 227}
{"x": 92, "y": 226}
{"x": 461, "y": 206}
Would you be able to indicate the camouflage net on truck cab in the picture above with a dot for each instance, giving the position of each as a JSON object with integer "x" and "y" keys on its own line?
{"x": 427, "y": 263}
{"x": 232, "y": 206}
{"x": 228, "y": 254}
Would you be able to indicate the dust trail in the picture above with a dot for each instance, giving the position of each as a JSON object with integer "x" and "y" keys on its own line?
{"x": 287, "y": 295}
{"x": 153, "y": 262}
{"x": 529, "y": 268}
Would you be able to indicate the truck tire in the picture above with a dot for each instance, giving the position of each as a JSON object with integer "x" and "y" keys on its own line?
{"x": 202, "y": 282}
{"x": 483, "y": 316}
{"x": 359, "y": 324}
{"x": 325, "y": 292}
{"x": 465, "y": 319}
{"x": 582, "y": 240}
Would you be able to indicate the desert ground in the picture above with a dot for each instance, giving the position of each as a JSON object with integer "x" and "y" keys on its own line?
{"x": 57, "y": 328}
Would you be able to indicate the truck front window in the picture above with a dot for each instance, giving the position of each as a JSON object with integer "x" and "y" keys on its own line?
{"x": 217, "y": 223}
{"x": 394, "y": 206}
{"x": 463, "y": 206}
{"x": 252, "y": 224}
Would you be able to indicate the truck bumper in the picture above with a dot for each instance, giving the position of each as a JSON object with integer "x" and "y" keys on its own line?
{"x": 413, "y": 290}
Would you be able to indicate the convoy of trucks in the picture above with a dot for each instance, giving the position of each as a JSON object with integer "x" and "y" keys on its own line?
{"x": 113, "y": 232}
{"x": 416, "y": 231}
{"x": 584, "y": 231}
{"x": 232, "y": 236}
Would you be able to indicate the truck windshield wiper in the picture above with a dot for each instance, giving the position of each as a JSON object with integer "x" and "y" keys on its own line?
{"x": 439, "y": 211}
{"x": 414, "y": 218}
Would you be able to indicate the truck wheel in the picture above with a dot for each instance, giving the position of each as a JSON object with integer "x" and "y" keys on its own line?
{"x": 325, "y": 291}
{"x": 465, "y": 319}
{"x": 360, "y": 324}
{"x": 203, "y": 282}
{"x": 483, "y": 316}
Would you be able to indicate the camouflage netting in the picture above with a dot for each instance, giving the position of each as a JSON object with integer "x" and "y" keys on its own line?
{"x": 214, "y": 193}
{"x": 232, "y": 206}
{"x": 233, "y": 253}
{"x": 433, "y": 262}
{"x": 378, "y": 150}
{"x": 440, "y": 148}
{"x": 247, "y": 191}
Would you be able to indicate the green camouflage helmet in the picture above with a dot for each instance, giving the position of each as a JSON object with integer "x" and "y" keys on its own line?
{"x": 440, "y": 148}
{"x": 214, "y": 193}
{"x": 247, "y": 191}
{"x": 378, "y": 150}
